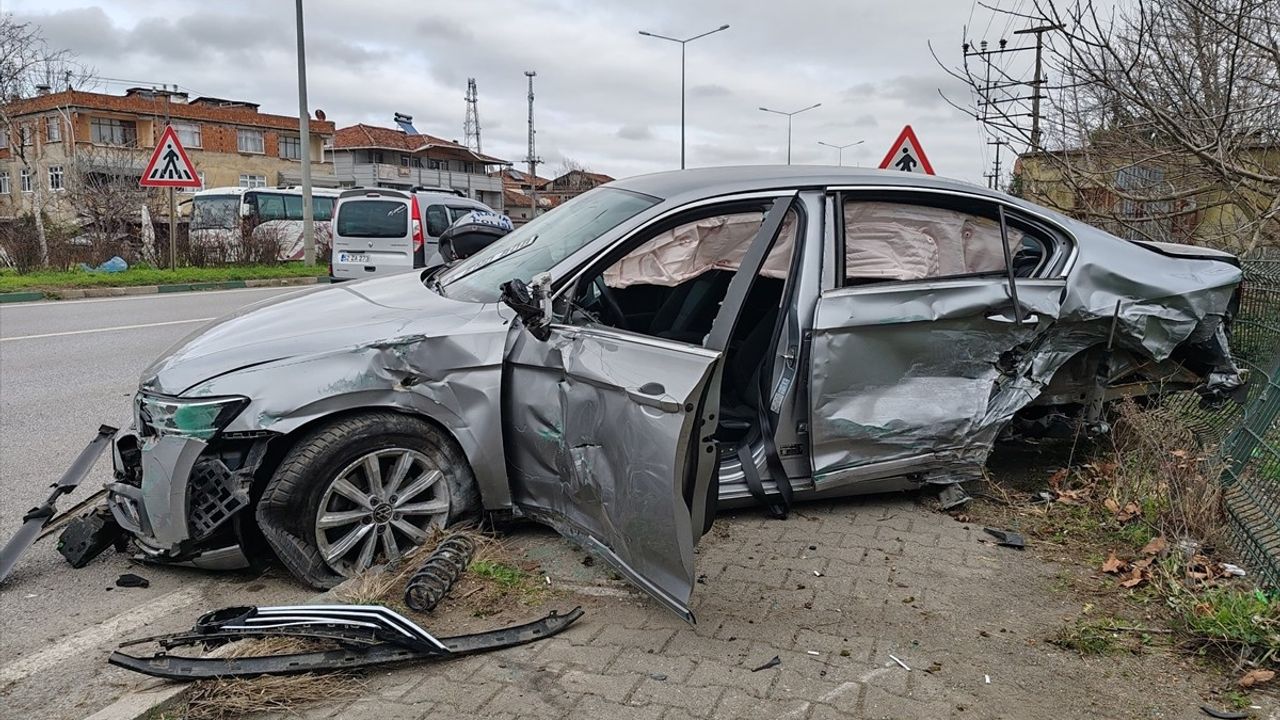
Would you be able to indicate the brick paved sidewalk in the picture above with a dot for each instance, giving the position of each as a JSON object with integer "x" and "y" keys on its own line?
{"x": 832, "y": 591}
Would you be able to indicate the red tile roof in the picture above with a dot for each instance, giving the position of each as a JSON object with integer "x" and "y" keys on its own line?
{"x": 142, "y": 105}
{"x": 363, "y": 136}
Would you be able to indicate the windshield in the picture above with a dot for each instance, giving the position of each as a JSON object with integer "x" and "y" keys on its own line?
{"x": 540, "y": 244}
{"x": 220, "y": 212}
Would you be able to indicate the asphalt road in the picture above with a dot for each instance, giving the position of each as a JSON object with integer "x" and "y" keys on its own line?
{"x": 66, "y": 368}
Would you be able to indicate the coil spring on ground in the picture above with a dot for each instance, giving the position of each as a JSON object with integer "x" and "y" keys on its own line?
{"x": 442, "y": 568}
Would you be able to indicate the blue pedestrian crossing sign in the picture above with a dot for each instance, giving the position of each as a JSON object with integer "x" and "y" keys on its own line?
{"x": 169, "y": 165}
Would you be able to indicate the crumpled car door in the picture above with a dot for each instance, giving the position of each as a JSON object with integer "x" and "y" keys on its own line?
{"x": 919, "y": 377}
{"x": 609, "y": 435}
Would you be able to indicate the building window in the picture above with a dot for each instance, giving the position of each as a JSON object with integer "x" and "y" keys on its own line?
{"x": 404, "y": 161}
{"x": 417, "y": 162}
{"x": 26, "y": 180}
{"x": 55, "y": 177}
{"x": 53, "y": 129}
{"x": 290, "y": 147}
{"x": 188, "y": 134}
{"x": 250, "y": 141}
{"x": 375, "y": 157}
{"x": 4, "y": 139}
{"x": 253, "y": 181}
{"x": 110, "y": 131}
{"x": 4, "y": 182}
{"x": 435, "y": 164}
{"x": 24, "y": 132}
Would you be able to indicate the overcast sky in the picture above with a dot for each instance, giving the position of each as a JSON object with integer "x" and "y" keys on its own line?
{"x": 606, "y": 96}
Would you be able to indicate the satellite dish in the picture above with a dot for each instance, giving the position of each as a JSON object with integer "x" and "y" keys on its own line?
{"x": 320, "y": 114}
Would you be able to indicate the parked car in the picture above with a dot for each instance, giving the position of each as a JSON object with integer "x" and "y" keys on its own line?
{"x": 221, "y": 216}
{"x": 378, "y": 231}
{"x": 650, "y": 351}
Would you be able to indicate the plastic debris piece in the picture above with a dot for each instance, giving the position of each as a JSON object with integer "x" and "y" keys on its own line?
{"x": 987, "y": 679}
{"x": 1007, "y": 538}
{"x": 953, "y": 496}
{"x": 1232, "y": 569}
{"x": 774, "y": 661}
{"x": 812, "y": 652}
{"x": 904, "y": 665}
{"x": 129, "y": 580}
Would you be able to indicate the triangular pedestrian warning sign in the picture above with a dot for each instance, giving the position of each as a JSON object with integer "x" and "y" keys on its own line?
{"x": 169, "y": 166}
{"x": 906, "y": 154}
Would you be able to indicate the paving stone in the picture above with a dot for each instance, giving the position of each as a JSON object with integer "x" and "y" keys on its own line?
{"x": 467, "y": 695}
{"x": 614, "y": 688}
{"x": 698, "y": 700}
{"x": 736, "y": 704}
{"x": 641, "y": 664}
{"x": 592, "y": 707}
{"x": 878, "y": 704}
{"x": 543, "y": 699}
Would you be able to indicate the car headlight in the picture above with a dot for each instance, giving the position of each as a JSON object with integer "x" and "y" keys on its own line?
{"x": 200, "y": 418}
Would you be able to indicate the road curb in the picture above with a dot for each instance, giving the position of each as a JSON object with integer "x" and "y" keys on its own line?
{"x": 100, "y": 292}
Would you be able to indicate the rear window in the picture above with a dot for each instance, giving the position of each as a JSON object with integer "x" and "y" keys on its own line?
{"x": 373, "y": 219}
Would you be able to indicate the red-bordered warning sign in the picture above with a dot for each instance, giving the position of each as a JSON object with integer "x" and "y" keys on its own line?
{"x": 169, "y": 165}
{"x": 906, "y": 154}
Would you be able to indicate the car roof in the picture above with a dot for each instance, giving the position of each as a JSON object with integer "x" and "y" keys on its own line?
{"x": 747, "y": 178}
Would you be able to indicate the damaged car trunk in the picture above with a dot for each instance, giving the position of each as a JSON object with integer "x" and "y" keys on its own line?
{"x": 665, "y": 345}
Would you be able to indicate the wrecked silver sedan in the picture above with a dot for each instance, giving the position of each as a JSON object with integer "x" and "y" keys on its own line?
{"x": 651, "y": 350}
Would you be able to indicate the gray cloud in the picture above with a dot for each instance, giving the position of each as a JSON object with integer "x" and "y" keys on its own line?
{"x": 605, "y": 95}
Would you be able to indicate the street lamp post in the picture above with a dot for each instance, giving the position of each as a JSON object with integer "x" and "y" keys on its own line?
{"x": 304, "y": 139}
{"x": 790, "y": 115}
{"x": 684, "y": 42}
{"x": 840, "y": 150}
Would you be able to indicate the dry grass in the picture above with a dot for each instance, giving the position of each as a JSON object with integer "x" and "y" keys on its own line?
{"x": 237, "y": 697}
{"x": 1159, "y": 466}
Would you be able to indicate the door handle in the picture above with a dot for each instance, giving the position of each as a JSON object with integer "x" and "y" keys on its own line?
{"x": 1029, "y": 319}
{"x": 653, "y": 395}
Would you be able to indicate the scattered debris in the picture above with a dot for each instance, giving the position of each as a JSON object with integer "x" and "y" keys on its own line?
{"x": 953, "y": 496}
{"x": 895, "y": 659}
{"x": 817, "y": 573}
{"x": 774, "y": 661}
{"x": 812, "y": 652}
{"x": 1007, "y": 538}
{"x": 1233, "y": 570}
{"x": 1156, "y": 546}
{"x": 1223, "y": 714}
{"x": 362, "y": 635}
{"x": 85, "y": 537}
{"x": 129, "y": 580}
{"x": 1256, "y": 677}
{"x": 41, "y": 515}
{"x": 934, "y": 667}
{"x": 986, "y": 679}
{"x": 658, "y": 676}
{"x": 442, "y": 568}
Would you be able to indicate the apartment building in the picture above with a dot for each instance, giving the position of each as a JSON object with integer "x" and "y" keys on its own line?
{"x": 402, "y": 157}
{"x": 53, "y": 134}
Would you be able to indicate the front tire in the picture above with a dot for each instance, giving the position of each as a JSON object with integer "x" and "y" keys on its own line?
{"x": 362, "y": 490}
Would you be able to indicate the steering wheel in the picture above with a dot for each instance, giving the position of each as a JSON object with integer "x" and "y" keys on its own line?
{"x": 610, "y": 303}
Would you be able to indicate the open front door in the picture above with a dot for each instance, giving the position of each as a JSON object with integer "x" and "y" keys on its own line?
{"x": 609, "y": 433}
{"x": 602, "y": 444}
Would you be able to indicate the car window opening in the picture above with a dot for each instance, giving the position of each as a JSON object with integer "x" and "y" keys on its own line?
{"x": 672, "y": 286}
{"x": 894, "y": 241}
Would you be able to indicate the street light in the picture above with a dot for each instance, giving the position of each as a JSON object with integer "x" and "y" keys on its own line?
{"x": 840, "y": 150}
{"x": 682, "y": 44}
{"x": 789, "y": 115}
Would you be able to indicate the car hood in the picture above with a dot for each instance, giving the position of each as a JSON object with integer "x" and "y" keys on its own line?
{"x": 307, "y": 323}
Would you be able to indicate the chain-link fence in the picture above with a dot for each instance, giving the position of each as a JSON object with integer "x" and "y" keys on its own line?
{"x": 1249, "y": 434}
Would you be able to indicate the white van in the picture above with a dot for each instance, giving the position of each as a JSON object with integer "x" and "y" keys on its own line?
{"x": 378, "y": 231}
{"x": 219, "y": 216}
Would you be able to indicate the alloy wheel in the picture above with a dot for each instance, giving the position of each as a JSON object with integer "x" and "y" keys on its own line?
{"x": 378, "y": 507}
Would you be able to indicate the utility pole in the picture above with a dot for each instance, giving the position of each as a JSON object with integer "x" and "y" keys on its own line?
{"x": 1006, "y": 87}
{"x": 533, "y": 160}
{"x": 304, "y": 131}
{"x": 1037, "y": 82}
{"x": 471, "y": 126}
{"x": 840, "y": 150}
{"x": 993, "y": 178}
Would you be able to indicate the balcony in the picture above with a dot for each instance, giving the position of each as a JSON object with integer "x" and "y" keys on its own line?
{"x": 386, "y": 174}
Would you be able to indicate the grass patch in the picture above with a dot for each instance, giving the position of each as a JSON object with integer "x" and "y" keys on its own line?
{"x": 11, "y": 281}
{"x": 1235, "y": 624}
{"x": 1104, "y": 636}
{"x": 502, "y": 574}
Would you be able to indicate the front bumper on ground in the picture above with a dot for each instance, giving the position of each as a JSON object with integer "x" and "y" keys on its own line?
{"x": 175, "y": 497}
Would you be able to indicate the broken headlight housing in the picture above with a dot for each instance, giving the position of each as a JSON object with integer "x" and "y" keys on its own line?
{"x": 199, "y": 418}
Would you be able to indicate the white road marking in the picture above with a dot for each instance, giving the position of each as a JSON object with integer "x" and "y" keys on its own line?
{"x": 90, "y": 640}
{"x": 152, "y": 296}
{"x": 107, "y": 329}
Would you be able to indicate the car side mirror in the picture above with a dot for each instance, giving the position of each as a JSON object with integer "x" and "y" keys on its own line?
{"x": 532, "y": 303}
{"x": 472, "y": 233}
